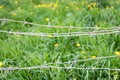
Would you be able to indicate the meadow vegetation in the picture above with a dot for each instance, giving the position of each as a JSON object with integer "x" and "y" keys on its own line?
{"x": 24, "y": 50}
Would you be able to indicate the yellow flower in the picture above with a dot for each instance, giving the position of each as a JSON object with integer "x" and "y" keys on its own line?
{"x": 67, "y": 7}
{"x": 38, "y": 5}
{"x": 55, "y": 45}
{"x": 75, "y": 79}
{"x": 107, "y": 7}
{"x": 43, "y": 5}
{"x": 89, "y": 7}
{"x": 47, "y": 19}
{"x": 55, "y": 5}
{"x": 72, "y": 3}
{"x": 1, "y": 7}
{"x": 1, "y": 64}
{"x": 83, "y": 2}
{"x": 85, "y": 57}
{"x": 14, "y": 14}
{"x": 94, "y": 4}
{"x": 49, "y": 35}
{"x": 49, "y": 5}
{"x": 78, "y": 44}
{"x": 112, "y": 7}
{"x": 16, "y": 2}
{"x": 117, "y": 53}
{"x": 19, "y": 8}
{"x": 35, "y": 6}
{"x": 76, "y": 8}
{"x": 93, "y": 57}
{"x": 83, "y": 52}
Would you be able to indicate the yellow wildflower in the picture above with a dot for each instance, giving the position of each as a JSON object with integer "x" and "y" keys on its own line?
{"x": 117, "y": 53}
{"x": 49, "y": 5}
{"x": 84, "y": 57}
{"x": 14, "y": 14}
{"x": 55, "y": 5}
{"x": 1, "y": 7}
{"x": 67, "y": 7}
{"x": 83, "y": 2}
{"x": 47, "y": 19}
{"x": 35, "y": 6}
{"x": 55, "y": 45}
{"x": 19, "y": 8}
{"x": 94, "y": 4}
{"x": 75, "y": 79}
{"x": 76, "y": 8}
{"x": 72, "y": 3}
{"x": 16, "y": 2}
{"x": 43, "y": 5}
{"x": 107, "y": 7}
{"x": 1, "y": 64}
{"x": 38, "y": 5}
{"x": 89, "y": 7}
{"x": 93, "y": 57}
{"x": 78, "y": 44}
{"x": 83, "y": 52}
{"x": 49, "y": 35}
{"x": 112, "y": 7}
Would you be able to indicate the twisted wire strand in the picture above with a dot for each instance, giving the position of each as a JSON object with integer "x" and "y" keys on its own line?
{"x": 63, "y": 34}
{"x": 46, "y": 66}
{"x": 4, "y": 20}
{"x": 54, "y": 67}
{"x": 97, "y": 31}
{"x": 84, "y": 60}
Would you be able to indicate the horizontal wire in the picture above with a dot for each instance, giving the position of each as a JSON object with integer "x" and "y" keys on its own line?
{"x": 54, "y": 67}
{"x": 45, "y": 66}
{"x": 51, "y": 26}
{"x": 97, "y": 31}
{"x": 84, "y": 60}
{"x": 62, "y": 34}
{"x": 111, "y": 30}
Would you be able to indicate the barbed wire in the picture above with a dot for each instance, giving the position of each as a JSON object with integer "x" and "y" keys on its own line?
{"x": 4, "y": 20}
{"x": 45, "y": 66}
{"x": 84, "y": 60}
{"x": 54, "y": 67}
{"x": 95, "y": 33}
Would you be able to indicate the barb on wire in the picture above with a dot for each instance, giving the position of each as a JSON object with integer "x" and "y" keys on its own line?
{"x": 51, "y": 26}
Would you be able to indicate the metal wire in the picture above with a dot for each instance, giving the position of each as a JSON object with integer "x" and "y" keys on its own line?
{"x": 97, "y": 31}
{"x": 4, "y": 20}
{"x": 46, "y": 66}
{"x": 53, "y": 67}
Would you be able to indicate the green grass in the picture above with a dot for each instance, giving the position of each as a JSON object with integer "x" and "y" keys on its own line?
{"x": 23, "y": 50}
